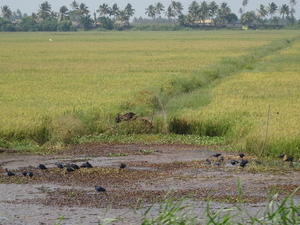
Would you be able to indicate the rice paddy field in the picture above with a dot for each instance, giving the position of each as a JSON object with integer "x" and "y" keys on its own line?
{"x": 77, "y": 83}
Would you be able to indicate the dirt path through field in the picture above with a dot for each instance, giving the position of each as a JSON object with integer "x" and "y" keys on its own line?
{"x": 152, "y": 171}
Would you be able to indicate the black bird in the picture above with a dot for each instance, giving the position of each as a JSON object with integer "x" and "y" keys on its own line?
{"x": 100, "y": 189}
{"x": 217, "y": 163}
{"x": 42, "y": 167}
{"x": 122, "y": 166}
{"x": 289, "y": 159}
{"x": 207, "y": 161}
{"x": 74, "y": 166}
{"x": 30, "y": 174}
{"x": 70, "y": 169}
{"x": 233, "y": 162}
{"x": 243, "y": 163}
{"x": 216, "y": 155}
{"x": 241, "y": 155}
{"x": 24, "y": 173}
{"x": 9, "y": 173}
{"x": 59, "y": 165}
{"x": 86, "y": 165}
{"x": 281, "y": 155}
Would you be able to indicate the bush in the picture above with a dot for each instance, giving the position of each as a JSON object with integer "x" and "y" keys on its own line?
{"x": 5, "y": 25}
{"x": 64, "y": 25}
{"x": 106, "y": 23}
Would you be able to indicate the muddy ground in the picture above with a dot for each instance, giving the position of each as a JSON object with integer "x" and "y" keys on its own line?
{"x": 152, "y": 172}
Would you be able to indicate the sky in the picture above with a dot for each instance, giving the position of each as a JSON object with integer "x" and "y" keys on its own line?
{"x": 29, "y": 6}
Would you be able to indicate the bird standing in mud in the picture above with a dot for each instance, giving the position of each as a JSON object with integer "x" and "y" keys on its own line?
{"x": 234, "y": 162}
{"x": 30, "y": 174}
{"x": 59, "y": 165}
{"x": 99, "y": 189}
{"x": 216, "y": 155}
{"x": 86, "y": 165}
{"x": 243, "y": 163}
{"x": 9, "y": 173}
{"x": 42, "y": 167}
{"x": 241, "y": 155}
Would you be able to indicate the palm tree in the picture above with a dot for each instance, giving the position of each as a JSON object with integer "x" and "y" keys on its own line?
{"x": 45, "y": 10}
{"x": 224, "y": 11}
{"x": 193, "y": 10}
{"x": 177, "y": 8}
{"x": 284, "y": 10}
{"x": 122, "y": 16}
{"x": 245, "y": 3}
{"x": 150, "y": 11}
{"x": 115, "y": 11}
{"x": 241, "y": 11}
{"x": 272, "y": 9}
{"x": 104, "y": 9}
{"x": 213, "y": 8}
{"x": 292, "y": 4}
{"x": 83, "y": 11}
{"x": 6, "y": 12}
{"x": 74, "y": 5}
{"x": 248, "y": 18}
{"x": 204, "y": 10}
{"x": 63, "y": 13}
{"x": 159, "y": 7}
{"x": 129, "y": 11}
{"x": 170, "y": 12}
{"x": 262, "y": 12}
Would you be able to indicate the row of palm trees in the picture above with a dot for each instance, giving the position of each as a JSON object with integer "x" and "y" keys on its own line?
{"x": 196, "y": 11}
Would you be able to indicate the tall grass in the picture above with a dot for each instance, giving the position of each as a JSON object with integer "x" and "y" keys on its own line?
{"x": 181, "y": 212}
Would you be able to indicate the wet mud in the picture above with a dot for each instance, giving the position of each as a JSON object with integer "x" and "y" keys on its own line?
{"x": 151, "y": 173}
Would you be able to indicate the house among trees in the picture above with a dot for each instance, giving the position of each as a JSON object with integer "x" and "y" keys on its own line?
{"x": 234, "y": 25}
{"x": 121, "y": 23}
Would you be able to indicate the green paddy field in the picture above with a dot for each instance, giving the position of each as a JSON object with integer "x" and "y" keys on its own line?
{"x": 243, "y": 86}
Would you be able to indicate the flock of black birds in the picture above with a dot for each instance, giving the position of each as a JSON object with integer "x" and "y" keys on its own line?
{"x": 72, "y": 167}
{"x": 69, "y": 167}
{"x": 233, "y": 162}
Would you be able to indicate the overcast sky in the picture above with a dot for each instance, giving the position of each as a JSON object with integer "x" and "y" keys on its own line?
{"x": 29, "y": 6}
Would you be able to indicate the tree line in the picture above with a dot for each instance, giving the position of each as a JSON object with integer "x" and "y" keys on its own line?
{"x": 48, "y": 20}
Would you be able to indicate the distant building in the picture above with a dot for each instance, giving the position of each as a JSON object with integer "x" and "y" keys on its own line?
{"x": 121, "y": 23}
{"x": 234, "y": 25}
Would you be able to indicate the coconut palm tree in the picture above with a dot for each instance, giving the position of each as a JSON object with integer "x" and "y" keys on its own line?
{"x": 248, "y": 18}
{"x": 74, "y": 5}
{"x": 272, "y": 9}
{"x": 82, "y": 10}
{"x": 104, "y": 9}
{"x": 177, "y": 8}
{"x": 194, "y": 10}
{"x": 262, "y": 12}
{"x": 213, "y": 8}
{"x": 45, "y": 10}
{"x": 170, "y": 12}
{"x": 159, "y": 7}
{"x": 284, "y": 10}
{"x": 115, "y": 11}
{"x": 244, "y": 4}
{"x": 204, "y": 11}
{"x": 292, "y": 4}
{"x": 150, "y": 11}
{"x": 63, "y": 13}
{"x": 6, "y": 12}
{"x": 129, "y": 11}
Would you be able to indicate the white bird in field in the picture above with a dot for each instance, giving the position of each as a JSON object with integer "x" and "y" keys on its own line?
{"x": 50, "y": 39}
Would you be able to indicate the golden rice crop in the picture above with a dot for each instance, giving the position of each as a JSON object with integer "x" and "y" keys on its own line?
{"x": 96, "y": 71}
{"x": 243, "y": 100}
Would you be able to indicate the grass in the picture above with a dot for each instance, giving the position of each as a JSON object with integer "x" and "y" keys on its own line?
{"x": 180, "y": 211}
{"x": 55, "y": 92}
